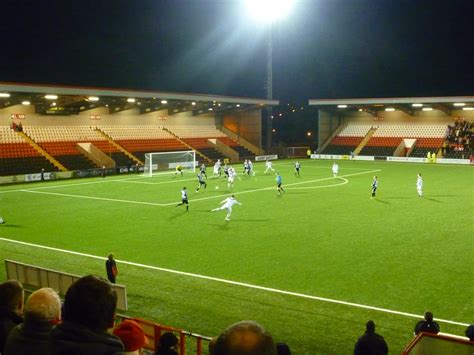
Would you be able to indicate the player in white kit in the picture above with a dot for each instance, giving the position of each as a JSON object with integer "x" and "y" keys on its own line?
{"x": 419, "y": 185}
{"x": 335, "y": 169}
{"x": 268, "y": 166}
{"x": 227, "y": 205}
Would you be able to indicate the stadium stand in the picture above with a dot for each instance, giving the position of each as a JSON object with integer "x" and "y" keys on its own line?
{"x": 197, "y": 137}
{"x": 350, "y": 136}
{"x": 139, "y": 140}
{"x": 19, "y": 157}
{"x": 458, "y": 141}
{"x": 61, "y": 143}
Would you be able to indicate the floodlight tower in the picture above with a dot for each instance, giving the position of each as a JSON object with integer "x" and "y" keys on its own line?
{"x": 268, "y": 12}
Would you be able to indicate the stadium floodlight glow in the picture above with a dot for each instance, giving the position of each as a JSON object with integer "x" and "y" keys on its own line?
{"x": 390, "y": 109}
{"x": 269, "y": 10}
{"x": 210, "y": 108}
{"x": 427, "y": 109}
{"x": 4, "y": 94}
{"x": 51, "y": 97}
{"x": 341, "y": 106}
{"x": 131, "y": 100}
{"x": 193, "y": 103}
{"x": 468, "y": 108}
{"x": 459, "y": 104}
{"x": 26, "y": 103}
{"x": 238, "y": 105}
{"x": 164, "y": 102}
{"x": 417, "y": 105}
{"x": 93, "y": 98}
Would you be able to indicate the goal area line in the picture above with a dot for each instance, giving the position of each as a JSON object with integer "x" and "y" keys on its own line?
{"x": 237, "y": 283}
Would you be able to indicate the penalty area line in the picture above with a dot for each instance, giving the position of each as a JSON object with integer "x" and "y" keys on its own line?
{"x": 236, "y": 283}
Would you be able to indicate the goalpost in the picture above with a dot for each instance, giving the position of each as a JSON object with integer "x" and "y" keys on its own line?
{"x": 167, "y": 161}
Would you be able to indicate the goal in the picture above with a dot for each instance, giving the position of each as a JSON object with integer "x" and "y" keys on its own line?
{"x": 296, "y": 151}
{"x": 166, "y": 161}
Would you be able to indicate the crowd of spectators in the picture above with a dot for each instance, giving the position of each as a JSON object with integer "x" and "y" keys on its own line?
{"x": 459, "y": 137}
{"x": 85, "y": 324}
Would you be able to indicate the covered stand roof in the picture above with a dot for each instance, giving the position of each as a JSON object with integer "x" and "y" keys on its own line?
{"x": 68, "y": 100}
{"x": 409, "y": 105}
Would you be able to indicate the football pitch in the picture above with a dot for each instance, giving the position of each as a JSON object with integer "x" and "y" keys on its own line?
{"x": 312, "y": 265}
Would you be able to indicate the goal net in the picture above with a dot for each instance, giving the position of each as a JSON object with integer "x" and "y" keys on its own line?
{"x": 296, "y": 151}
{"x": 167, "y": 161}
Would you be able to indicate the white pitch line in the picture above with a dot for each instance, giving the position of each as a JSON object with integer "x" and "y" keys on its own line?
{"x": 345, "y": 181}
{"x": 236, "y": 283}
{"x": 272, "y": 187}
{"x": 174, "y": 203}
{"x": 94, "y": 198}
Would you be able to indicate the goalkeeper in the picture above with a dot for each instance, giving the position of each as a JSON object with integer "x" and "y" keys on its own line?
{"x": 179, "y": 170}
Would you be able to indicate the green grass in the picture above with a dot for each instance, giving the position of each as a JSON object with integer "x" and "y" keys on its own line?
{"x": 398, "y": 251}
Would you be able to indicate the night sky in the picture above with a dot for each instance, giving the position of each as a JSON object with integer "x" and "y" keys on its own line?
{"x": 325, "y": 49}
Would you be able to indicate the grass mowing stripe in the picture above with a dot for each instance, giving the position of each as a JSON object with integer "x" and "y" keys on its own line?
{"x": 236, "y": 283}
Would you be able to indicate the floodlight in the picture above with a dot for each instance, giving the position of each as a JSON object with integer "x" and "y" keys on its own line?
{"x": 51, "y": 97}
{"x": 341, "y": 106}
{"x": 459, "y": 104}
{"x": 26, "y": 103}
{"x": 93, "y": 98}
{"x": 389, "y": 109}
{"x": 268, "y": 11}
{"x": 427, "y": 109}
{"x": 417, "y": 105}
{"x": 164, "y": 102}
{"x": 238, "y": 105}
{"x": 193, "y": 103}
{"x": 4, "y": 94}
{"x": 468, "y": 108}
{"x": 131, "y": 100}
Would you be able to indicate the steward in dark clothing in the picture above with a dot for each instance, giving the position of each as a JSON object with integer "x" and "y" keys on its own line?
{"x": 371, "y": 343}
{"x": 74, "y": 339}
{"x": 111, "y": 268}
{"x": 30, "y": 337}
{"x": 427, "y": 325}
{"x": 8, "y": 321}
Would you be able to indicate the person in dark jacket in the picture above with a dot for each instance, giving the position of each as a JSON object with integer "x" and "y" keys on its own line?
{"x": 11, "y": 308}
{"x": 42, "y": 313}
{"x": 89, "y": 310}
{"x": 427, "y": 325}
{"x": 111, "y": 268}
{"x": 370, "y": 343}
{"x": 167, "y": 344}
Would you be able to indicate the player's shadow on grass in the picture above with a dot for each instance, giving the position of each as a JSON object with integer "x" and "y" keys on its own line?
{"x": 432, "y": 199}
{"x": 382, "y": 201}
{"x": 177, "y": 215}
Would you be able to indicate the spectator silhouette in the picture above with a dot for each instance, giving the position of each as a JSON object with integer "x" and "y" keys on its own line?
{"x": 470, "y": 332}
{"x": 89, "y": 310}
{"x": 167, "y": 344}
{"x": 11, "y": 308}
{"x": 111, "y": 268}
{"x": 42, "y": 312}
{"x": 427, "y": 325}
{"x": 370, "y": 343}
{"x": 245, "y": 338}
{"x": 283, "y": 349}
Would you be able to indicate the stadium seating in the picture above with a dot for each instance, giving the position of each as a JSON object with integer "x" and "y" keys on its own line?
{"x": 197, "y": 138}
{"x": 19, "y": 157}
{"x": 348, "y": 139}
{"x": 139, "y": 139}
{"x": 61, "y": 143}
{"x": 387, "y": 138}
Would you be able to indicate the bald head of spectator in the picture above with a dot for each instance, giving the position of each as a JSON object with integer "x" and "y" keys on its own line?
{"x": 11, "y": 297}
{"x": 245, "y": 338}
{"x": 43, "y": 304}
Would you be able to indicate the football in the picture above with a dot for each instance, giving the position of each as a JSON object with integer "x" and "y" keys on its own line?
{"x": 217, "y": 187}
